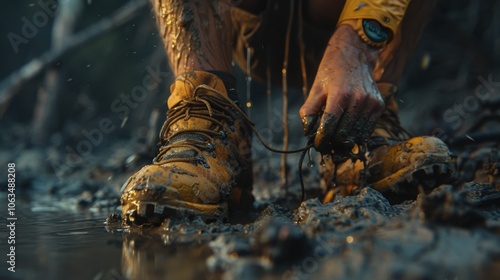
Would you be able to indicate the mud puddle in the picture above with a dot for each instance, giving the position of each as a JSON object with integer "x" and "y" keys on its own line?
{"x": 53, "y": 244}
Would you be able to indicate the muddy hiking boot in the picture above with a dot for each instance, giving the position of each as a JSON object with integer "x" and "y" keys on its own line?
{"x": 203, "y": 168}
{"x": 396, "y": 164}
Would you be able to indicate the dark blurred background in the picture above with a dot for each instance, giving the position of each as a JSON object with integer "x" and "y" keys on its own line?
{"x": 92, "y": 75}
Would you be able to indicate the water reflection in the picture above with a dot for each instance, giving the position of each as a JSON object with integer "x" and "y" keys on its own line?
{"x": 175, "y": 250}
{"x": 154, "y": 256}
{"x": 55, "y": 244}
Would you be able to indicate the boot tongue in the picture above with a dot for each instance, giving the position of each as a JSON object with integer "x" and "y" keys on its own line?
{"x": 183, "y": 88}
{"x": 185, "y": 84}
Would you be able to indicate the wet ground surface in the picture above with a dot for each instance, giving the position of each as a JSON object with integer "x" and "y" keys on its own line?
{"x": 451, "y": 233}
{"x": 55, "y": 244}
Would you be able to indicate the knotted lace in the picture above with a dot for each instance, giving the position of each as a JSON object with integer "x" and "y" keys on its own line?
{"x": 206, "y": 104}
{"x": 211, "y": 105}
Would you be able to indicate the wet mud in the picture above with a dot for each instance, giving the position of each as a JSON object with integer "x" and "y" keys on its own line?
{"x": 453, "y": 232}
{"x": 450, "y": 233}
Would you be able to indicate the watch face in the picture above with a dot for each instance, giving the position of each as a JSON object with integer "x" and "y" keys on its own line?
{"x": 374, "y": 31}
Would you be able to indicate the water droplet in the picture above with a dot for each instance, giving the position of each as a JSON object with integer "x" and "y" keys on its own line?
{"x": 349, "y": 239}
{"x": 425, "y": 61}
{"x": 196, "y": 190}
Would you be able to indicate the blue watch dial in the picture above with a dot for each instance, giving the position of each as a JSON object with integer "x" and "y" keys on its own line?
{"x": 374, "y": 31}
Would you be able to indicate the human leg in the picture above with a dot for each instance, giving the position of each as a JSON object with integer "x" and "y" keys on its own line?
{"x": 196, "y": 34}
{"x": 203, "y": 168}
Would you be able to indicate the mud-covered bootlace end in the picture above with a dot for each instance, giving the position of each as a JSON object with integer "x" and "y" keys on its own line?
{"x": 307, "y": 150}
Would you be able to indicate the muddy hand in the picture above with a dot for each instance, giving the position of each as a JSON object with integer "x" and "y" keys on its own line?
{"x": 345, "y": 88}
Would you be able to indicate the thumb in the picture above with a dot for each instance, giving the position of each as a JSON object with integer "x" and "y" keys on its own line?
{"x": 311, "y": 111}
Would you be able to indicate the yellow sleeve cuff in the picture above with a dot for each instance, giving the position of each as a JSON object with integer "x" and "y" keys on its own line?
{"x": 389, "y": 13}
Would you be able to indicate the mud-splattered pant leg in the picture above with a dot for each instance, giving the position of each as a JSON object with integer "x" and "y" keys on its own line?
{"x": 196, "y": 34}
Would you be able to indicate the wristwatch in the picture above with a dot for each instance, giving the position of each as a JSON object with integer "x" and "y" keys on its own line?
{"x": 376, "y": 21}
{"x": 370, "y": 31}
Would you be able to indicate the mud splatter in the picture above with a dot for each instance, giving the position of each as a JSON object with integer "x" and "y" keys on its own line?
{"x": 185, "y": 24}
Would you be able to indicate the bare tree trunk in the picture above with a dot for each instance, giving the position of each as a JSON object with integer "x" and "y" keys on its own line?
{"x": 47, "y": 116}
{"x": 11, "y": 85}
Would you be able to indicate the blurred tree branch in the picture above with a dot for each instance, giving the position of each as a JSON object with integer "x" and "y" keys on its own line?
{"x": 10, "y": 86}
{"x": 47, "y": 112}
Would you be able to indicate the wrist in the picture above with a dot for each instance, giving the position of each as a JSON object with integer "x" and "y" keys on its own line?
{"x": 346, "y": 35}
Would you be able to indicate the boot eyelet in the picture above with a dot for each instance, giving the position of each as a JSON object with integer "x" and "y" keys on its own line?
{"x": 201, "y": 160}
{"x": 211, "y": 148}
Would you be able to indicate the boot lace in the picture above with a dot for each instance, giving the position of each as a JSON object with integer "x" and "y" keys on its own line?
{"x": 211, "y": 105}
{"x": 389, "y": 122}
{"x": 206, "y": 105}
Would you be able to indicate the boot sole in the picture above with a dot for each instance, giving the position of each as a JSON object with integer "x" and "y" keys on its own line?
{"x": 405, "y": 183}
{"x": 142, "y": 213}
